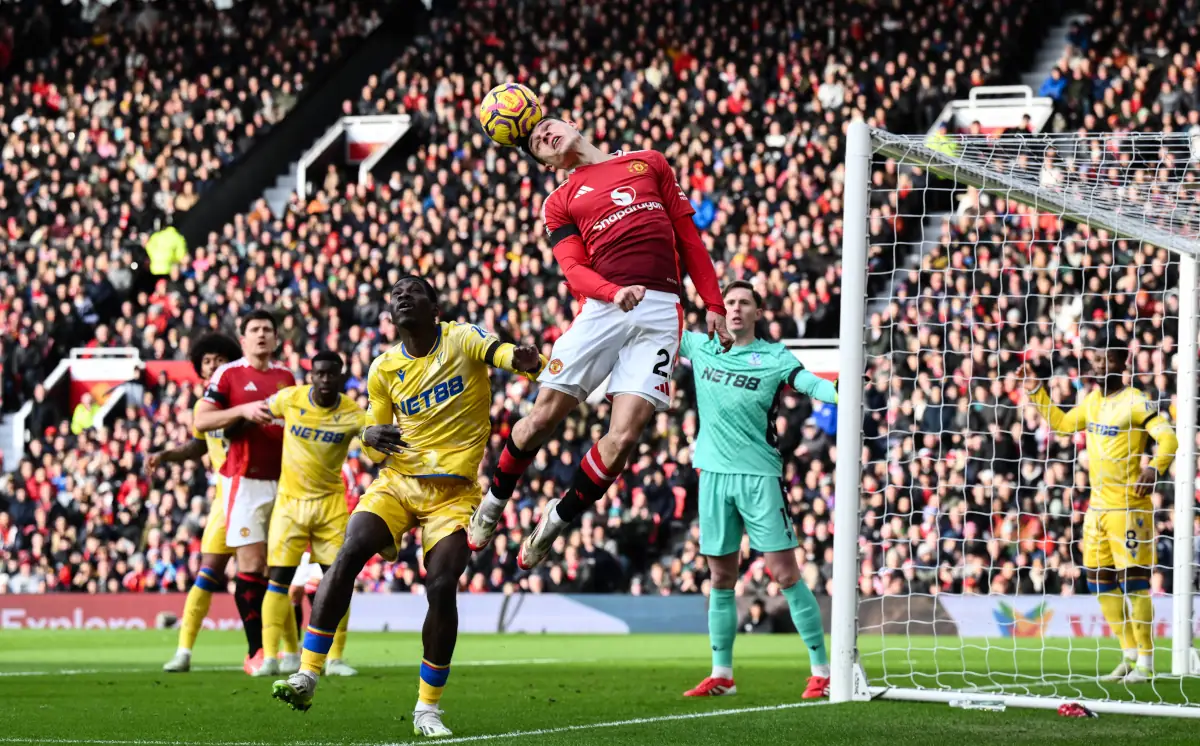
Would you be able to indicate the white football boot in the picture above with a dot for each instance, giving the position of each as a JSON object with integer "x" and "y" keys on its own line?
{"x": 289, "y": 663}
{"x": 181, "y": 663}
{"x": 339, "y": 667}
{"x": 428, "y": 723}
{"x": 1120, "y": 672}
{"x": 269, "y": 667}
{"x": 297, "y": 690}
{"x": 537, "y": 545}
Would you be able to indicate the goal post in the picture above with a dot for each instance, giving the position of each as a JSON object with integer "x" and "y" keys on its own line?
{"x": 1029, "y": 247}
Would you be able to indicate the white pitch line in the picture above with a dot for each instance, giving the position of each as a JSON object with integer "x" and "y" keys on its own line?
{"x": 462, "y": 739}
{"x": 613, "y": 724}
{"x": 155, "y": 669}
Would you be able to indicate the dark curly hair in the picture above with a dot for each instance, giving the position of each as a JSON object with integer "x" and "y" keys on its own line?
{"x": 214, "y": 344}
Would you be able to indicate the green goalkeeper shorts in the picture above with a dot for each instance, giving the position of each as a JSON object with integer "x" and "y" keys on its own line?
{"x": 731, "y": 503}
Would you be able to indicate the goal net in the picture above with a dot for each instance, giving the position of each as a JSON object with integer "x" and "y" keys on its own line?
{"x": 967, "y": 261}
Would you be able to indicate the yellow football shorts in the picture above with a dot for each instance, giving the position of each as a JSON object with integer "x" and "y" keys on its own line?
{"x": 213, "y": 539}
{"x": 1118, "y": 538}
{"x": 438, "y": 505}
{"x": 296, "y": 524}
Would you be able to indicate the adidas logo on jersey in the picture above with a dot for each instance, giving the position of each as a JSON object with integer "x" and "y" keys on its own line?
{"x": 250, "y": 387}
{"x": 582, "y": 191}
{"x": 664, "y": 387}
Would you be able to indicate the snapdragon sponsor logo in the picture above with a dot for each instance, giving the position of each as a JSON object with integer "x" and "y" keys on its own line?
{"x": 609, "y": 221}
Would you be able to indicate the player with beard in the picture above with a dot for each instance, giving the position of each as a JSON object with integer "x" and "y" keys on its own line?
{"x": 235, "y": 403}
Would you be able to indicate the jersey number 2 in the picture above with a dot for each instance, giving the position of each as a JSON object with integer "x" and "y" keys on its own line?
{"x": 664, "y": 357}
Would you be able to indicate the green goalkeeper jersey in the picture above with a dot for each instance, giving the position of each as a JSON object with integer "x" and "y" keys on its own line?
{"x": 737, "y": 393}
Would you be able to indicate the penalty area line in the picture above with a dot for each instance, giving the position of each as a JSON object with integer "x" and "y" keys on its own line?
{"x": 616, "y": 723}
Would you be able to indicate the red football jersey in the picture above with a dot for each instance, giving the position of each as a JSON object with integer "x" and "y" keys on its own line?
{"x": 255, "y": 451}
{"x": 623, "y": 208}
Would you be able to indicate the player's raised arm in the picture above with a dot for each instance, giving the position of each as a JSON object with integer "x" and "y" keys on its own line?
{"x": 1061, "y": 422}
{"x": 689, "y": 343}
{"x": 485, "y": 347}
{"x": 692, "y": 253}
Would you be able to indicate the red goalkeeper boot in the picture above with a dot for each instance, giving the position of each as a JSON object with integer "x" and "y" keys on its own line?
{"x": 818, "y": 686}
{"x": 712, "y": 687}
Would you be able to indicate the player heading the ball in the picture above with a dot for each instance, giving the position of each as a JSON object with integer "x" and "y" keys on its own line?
{"x": 621, "y": 229}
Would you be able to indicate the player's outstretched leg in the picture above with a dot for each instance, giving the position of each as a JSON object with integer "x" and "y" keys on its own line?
{"x": 522, "y": 445}
{"x": 366, "y": 535}
{"x": 722, "y": 628}
{"x": 597, "y": 470}
{"x": 209, "y": 580}
{"x": 806, "y": 615}
{"x": 444, "y": 564}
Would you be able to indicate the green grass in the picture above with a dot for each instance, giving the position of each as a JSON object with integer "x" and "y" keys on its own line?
{"x": 94, "y": 687}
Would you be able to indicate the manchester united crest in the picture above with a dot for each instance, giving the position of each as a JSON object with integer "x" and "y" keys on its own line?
{"x": 637, "y": 167}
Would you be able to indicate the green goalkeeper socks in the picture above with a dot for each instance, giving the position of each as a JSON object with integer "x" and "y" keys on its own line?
{"x": 722, "y": 627}
{"x": 806, "y": 615}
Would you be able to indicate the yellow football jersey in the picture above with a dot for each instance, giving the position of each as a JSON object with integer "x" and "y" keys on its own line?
{"x": 441, "y": 401}
{"x": 1118, "y": 428}
{"x": 215, "y": 440}
{"x": 315, "y": 442}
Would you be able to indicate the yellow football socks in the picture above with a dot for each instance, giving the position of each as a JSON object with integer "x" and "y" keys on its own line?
{"x": 199, "y": 599}
{"x": 277, "y": 616}
{"x": 433, "y": 681}
{"x": 1112, "y": 605}
{"x": 338, "y": 650}
{"x": 1141, "y": 620}
{"x": 289, "y": 642}
{"x": 317, "y": 643}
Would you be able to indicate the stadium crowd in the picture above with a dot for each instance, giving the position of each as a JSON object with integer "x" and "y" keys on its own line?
{"x": 755, "y": 128}
{"x": 115, "y": 127}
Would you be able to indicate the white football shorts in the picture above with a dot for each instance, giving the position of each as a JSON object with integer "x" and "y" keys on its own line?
{"x": 638, "y": 349}
{"x": 248, "y": 504}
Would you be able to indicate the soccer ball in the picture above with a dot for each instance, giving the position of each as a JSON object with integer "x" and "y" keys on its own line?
{"x": 509, "y": 113}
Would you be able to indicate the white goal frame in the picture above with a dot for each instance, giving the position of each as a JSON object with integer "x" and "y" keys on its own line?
{"x": 849, "y": 680}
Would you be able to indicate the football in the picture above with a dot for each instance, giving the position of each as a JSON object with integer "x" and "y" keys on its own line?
{"x": 508, "y": 113}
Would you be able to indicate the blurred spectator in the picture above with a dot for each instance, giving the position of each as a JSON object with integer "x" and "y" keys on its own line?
{"x": 85, "y": 414}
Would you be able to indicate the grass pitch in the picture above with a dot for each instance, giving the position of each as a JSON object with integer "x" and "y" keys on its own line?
{"x": 106, "y": 688}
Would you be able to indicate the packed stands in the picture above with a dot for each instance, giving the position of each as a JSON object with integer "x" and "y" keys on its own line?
{"x": 755, "y": 130}
{"x": 111, "y": 131}
{"x": 1137, "y": 72}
